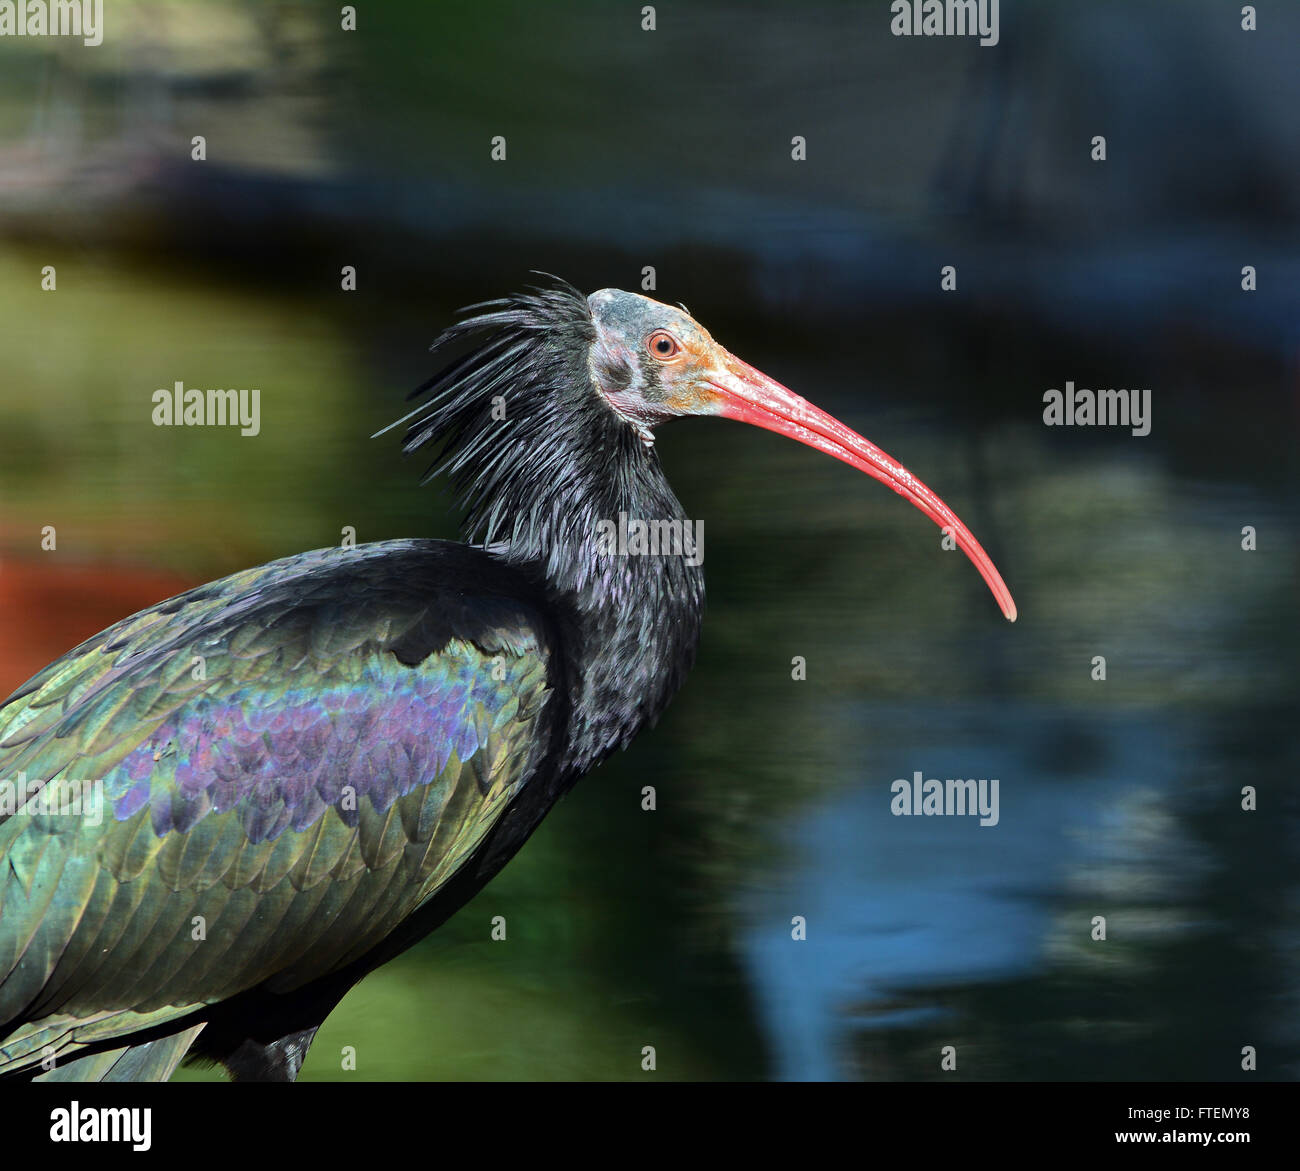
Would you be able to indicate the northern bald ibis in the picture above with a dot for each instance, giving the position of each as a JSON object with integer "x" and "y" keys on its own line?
{"x": 374, "y": 731}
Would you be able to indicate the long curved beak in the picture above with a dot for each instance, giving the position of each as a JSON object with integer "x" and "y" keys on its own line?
{"x": 752, "y": 397}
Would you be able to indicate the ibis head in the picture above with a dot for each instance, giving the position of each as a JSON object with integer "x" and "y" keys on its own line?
{"x": 653, "y": 362}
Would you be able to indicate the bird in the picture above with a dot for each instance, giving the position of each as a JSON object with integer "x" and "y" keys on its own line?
{"x": 242, "y": 800}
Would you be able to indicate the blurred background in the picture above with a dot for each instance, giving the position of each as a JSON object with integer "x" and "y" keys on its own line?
{"x": 671, "y": 148}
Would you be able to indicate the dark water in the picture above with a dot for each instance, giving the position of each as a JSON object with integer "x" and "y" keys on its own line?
{"x": 1119, "y": 798}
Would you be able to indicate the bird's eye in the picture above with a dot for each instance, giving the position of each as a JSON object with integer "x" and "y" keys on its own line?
{"x": 663, "y": 345}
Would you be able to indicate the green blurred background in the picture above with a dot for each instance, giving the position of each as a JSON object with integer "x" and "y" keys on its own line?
{"x": 671, "y": 148}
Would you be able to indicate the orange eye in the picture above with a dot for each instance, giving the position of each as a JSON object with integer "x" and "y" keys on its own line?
{"x": 663, "y": 345}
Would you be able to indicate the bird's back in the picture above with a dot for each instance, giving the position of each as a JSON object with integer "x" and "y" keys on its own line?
{"x": 252, "y": 784}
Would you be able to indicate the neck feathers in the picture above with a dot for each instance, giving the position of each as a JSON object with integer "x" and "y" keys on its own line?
{"x": 540, "y": 463}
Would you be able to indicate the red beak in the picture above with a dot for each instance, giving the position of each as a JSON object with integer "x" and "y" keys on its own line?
{"x": 752, "y": 397}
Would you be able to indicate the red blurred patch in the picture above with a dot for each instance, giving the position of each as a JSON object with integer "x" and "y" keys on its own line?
{"x": 48, "y": 606}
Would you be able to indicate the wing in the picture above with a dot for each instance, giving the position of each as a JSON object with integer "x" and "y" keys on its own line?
{"x": 254, "y": 783}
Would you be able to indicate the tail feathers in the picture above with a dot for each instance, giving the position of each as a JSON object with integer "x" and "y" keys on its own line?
{"x": 154, "y": 1061}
